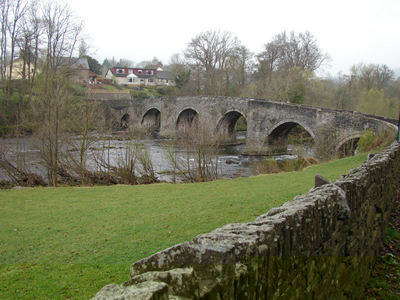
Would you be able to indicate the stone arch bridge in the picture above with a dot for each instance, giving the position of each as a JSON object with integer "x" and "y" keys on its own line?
{"x": 268, "y": 122}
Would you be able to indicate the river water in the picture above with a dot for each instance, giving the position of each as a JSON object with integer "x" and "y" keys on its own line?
{"x": 231, "y": 162}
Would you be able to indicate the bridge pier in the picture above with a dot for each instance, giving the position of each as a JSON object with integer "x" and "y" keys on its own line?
{"x": 268, "y": 122}
{"x": 325, "y": 142}
{"x": 260, "y": 147}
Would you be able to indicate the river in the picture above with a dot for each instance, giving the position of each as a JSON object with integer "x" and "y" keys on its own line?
{"x": 231, "y": 162}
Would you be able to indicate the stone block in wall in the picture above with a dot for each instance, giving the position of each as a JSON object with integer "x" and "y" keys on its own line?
{"x": 148, "y": 290}
{"x": 245, "y": 239}
{"x": 181, "y": 282}
{"x": 209, "y": 261}
{"x": 242, "y": 286}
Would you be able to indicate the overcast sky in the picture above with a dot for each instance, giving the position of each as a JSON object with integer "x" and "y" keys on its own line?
{"x": 350, "y": 31}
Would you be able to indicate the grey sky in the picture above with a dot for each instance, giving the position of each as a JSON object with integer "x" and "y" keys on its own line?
{"x": 351, "y": 31}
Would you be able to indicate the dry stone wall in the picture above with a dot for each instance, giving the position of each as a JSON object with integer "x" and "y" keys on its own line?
{"x": 318, "y": 246}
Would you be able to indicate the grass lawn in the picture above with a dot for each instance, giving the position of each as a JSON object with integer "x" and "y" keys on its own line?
{"x": 70, "y": 242}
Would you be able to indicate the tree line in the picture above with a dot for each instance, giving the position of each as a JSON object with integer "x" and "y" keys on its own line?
{"x": 46, "y": 39}
{"x": 217, "y": 63}
{"x": 40, "y": 33}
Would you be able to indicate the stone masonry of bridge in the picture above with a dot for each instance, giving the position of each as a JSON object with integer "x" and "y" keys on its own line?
{"x": 318, "y": 246}
{"x": 268, "y": 122}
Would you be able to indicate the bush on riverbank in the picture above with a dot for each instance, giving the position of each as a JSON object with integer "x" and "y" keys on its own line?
{"x": 273, "y": 166}
{"x": 17, "y": 118}
{"x": 369, "y": 141}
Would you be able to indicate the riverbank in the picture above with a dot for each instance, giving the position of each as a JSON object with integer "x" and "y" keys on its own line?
{"x": 70, "y": 242}
{"x": 106, "y": 155}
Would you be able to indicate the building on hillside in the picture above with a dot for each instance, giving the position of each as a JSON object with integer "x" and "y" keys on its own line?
{"x": 19, "y": 70}
{"x": 132, "y": 76}
{"x": 138, "y": 76}
{"x": 93, "y": 78}
{"x": 80, "y": 69}
{"x": 165, "y": 78}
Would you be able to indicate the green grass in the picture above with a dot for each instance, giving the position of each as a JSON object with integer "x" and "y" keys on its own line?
{"x": 385, "y": 278}
{"x": 70, "y": 242}
{"x": 109, "y": 87}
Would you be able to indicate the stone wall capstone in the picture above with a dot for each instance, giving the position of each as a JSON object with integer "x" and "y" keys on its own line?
{"x": 318, "y": 246}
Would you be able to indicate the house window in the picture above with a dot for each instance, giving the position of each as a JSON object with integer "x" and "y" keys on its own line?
{"x": 141, "y": 79}
{"x": 130, "y": 71}
{"x": 140, "y": 72}
{"x": 120, "y": 71}
{"x": 151, "y": 80}
{"x": 149, "y": 72}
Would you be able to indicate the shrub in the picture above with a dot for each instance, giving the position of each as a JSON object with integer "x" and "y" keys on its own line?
{"x": 273, "y": 166}
{"x": 162, "y": 91}
{"x": 241, "y": 124}
{"x": 138, "y": 94}
{"x": 384, "y": 140}
{"x": 267, "y": 167}
{"x": 78, "y": 90}
{"x": 369, "y": 141}
{"x": 390, "y": 234}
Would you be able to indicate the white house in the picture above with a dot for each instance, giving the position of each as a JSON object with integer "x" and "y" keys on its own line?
{"x": 139, "y": 76}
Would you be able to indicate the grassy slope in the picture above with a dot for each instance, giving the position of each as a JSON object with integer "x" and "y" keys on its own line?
{"x": 70, "y": 242}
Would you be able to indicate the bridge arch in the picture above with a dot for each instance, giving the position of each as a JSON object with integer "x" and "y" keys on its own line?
{"x": 179, "y": 112}
{"x": 348, "y": 145}
{"x": 187, "y": 119}
{"x": 226, "y": 126}
{"x": 151, "y": 119}
{"x": 125, "y": 120}
{"x": 277, "y": 138}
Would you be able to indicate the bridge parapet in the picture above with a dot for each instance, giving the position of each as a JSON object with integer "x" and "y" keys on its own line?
{"x": 268, "y": 122}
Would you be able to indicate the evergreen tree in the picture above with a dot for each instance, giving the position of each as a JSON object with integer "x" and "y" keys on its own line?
{"x": 94, "y": 65}
{"x": 106, "y": 63}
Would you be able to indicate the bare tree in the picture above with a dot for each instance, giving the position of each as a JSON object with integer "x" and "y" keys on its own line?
{"x": 36, "y": 31}
{"x": 28, "y": 43}
{"x": 12, "y": 13}
{"x": 194, "y": 152}
{"x": 51, "y": 111}
{"x": 63, "y": 32}
{"x": 287, "y": 51}
{"x": 238, "y": 70}
{"x": 286, "y": 65}
{"x": 87, "y": 126}
{"x": 372, "y": 75}
{"x": 181, "y": 74}
{"x": 19, "y": 8}
{"x": 5, "y": 7}
{"x": 211, "y": 50}
{"x": 384, "y": 76}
